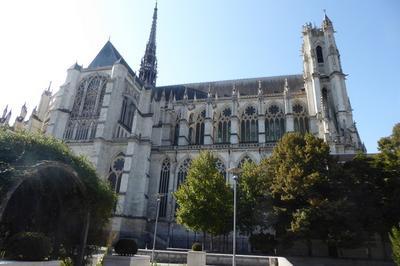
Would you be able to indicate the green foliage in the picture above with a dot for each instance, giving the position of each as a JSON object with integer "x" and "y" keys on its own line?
{"x": 22, "y": 150}
{"x": 254, "y": 200}
{"x": 197, "y": 246}
{"x": 204, "y": 199}
{"x": 395, "y": 241}
{"x": 126, "y": 247}
{"x": 306, "y": 199}
{"x": 28, "y": 246}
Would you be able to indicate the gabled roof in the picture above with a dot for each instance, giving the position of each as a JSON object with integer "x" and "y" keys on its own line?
{"x": 108, "y": 56}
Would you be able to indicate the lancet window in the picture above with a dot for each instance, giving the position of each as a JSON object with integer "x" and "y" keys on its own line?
{"x": 175, "y": 132}
{"x": 320, "y": 57}
{"x": 85, "y": 112}
{"x": 196, "y": 130}
{"x": 127, "y": 113}
{"x": 274, "y": 123}
{"x": 222, "y": 126}
{"x": 249, "y": 125}
{"x": 115, "y": 172}
{"x": 182, "y": 171}
{"x": 163, "y": 187}
{"x": 300, "y": 119}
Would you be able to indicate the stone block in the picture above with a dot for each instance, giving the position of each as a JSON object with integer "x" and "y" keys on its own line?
{"x": 138, "y": 260}
{"x": 196, "y": 258}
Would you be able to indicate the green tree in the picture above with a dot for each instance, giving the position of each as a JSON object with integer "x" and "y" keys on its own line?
{"x": 205, "y": 199}
{"x": 21, "y": 151}
{"x": 388, "y": 183}
{"x": 304, "y": 189}
{"x": 395, "y": 241}
{"x": 254, "y": 200}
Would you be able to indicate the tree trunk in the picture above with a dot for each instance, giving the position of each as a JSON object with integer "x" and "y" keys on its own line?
{"x": 383, "y": 243}
{"x": 309, "y": 247}
{"x": 211, "y": 243}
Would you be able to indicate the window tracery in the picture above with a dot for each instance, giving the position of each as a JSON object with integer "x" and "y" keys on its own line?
{"x": 274, "y": 123}
{"x": 88, "y": 100}
{"x": 164, "y": 186}
{"x": 222, "y": 126}
{"x": 246, "y": 158}
{"x": 115, "y": 172}
{"x": 221, "y": 167}
{"x": 300, "y": 118}
{"x": 249, "y": 125}
{"x": 182, "y": 171}
{"x": 196, "y": 130}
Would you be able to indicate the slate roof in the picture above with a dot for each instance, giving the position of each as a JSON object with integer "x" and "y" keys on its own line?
{"x": 224, "y": 88}
{"x": 107, "y": 57}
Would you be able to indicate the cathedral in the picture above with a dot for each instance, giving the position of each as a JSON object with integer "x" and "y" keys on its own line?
{"x": 142, "y": 137}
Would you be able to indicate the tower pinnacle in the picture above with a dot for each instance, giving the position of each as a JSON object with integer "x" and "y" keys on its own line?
{"x": 148, "y": 66}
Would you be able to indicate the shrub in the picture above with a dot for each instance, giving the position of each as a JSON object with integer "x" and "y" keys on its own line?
{"x": 126, "y": 247}
{"x": 395, "y": 241}
{"x": 197, "y": 246}
{"x": 28, "y": 246}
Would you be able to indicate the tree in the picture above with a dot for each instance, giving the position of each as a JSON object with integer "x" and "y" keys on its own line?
{"x": 255, "y": 203}
{"x": 22, "y": 153}
{"x": 204, "y": 199}
{"x": 395, "y": 240}
{"x": 388, "y": 162}
{"x": 306, "y": 199}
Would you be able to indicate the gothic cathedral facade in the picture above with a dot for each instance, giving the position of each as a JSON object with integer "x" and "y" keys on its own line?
{"x": 142, "y": 137}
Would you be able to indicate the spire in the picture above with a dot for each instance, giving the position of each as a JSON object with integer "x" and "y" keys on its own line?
{"x": 326, "y": 23}
{"x": 148, "y": 66}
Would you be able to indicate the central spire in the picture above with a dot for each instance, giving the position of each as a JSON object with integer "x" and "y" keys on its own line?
{"x": 148, "y": 66}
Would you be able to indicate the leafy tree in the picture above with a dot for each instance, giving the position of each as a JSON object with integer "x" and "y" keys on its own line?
{"x": 254, "y": 200}
{"x": 204, "y": 199}
{"x": 21, "y": 151}
{"x": 388, "y": 183}
{"x": 395, "y": 240}
{"x": 306, "y": 199}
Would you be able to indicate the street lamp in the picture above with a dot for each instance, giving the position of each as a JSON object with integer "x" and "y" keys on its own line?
{"x": 236, "y": 172}
{"x": 155, "y": 226}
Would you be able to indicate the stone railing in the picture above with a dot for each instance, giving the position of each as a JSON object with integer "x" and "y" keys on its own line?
{"x": 167, "y": 256}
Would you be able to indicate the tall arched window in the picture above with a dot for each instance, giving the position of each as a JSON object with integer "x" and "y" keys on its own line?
{"x": 324, "y": 102}
{"x": 175, "y": 133}
{"x": 249, "y": 125}
{"x": 246, "y": 158}
{"x": 115, "y": 172}
{"x": 196, "y": 130}
{"x": 222, "y": 126}
{"x": 274, "y": 123}
{"x": 320, "y": 56}
{"x": 85, "y": 112}
{"x": 221, "y": 167}
{"x": 182, "y": 171}
{"x": 300, "y": 119}
{"x": 163, "y": 187}
{"x": 127, "y": 113}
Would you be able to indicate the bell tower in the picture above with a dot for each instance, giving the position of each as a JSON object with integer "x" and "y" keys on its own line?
{"x": 329, "y": 106}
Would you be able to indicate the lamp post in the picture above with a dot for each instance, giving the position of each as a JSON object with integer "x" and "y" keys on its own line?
{"x": 235, "y": 171}
{"x": 155, "y": 226}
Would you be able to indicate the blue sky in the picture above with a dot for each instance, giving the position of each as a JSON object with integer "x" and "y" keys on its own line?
{"x": 204, "y": 41}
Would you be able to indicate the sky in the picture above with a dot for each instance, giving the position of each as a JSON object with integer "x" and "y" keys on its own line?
{"x": 204, "y": 40}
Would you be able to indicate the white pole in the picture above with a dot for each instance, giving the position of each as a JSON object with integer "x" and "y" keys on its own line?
{"x": 234, "y": 220}
{"x": 155, "y": 228}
